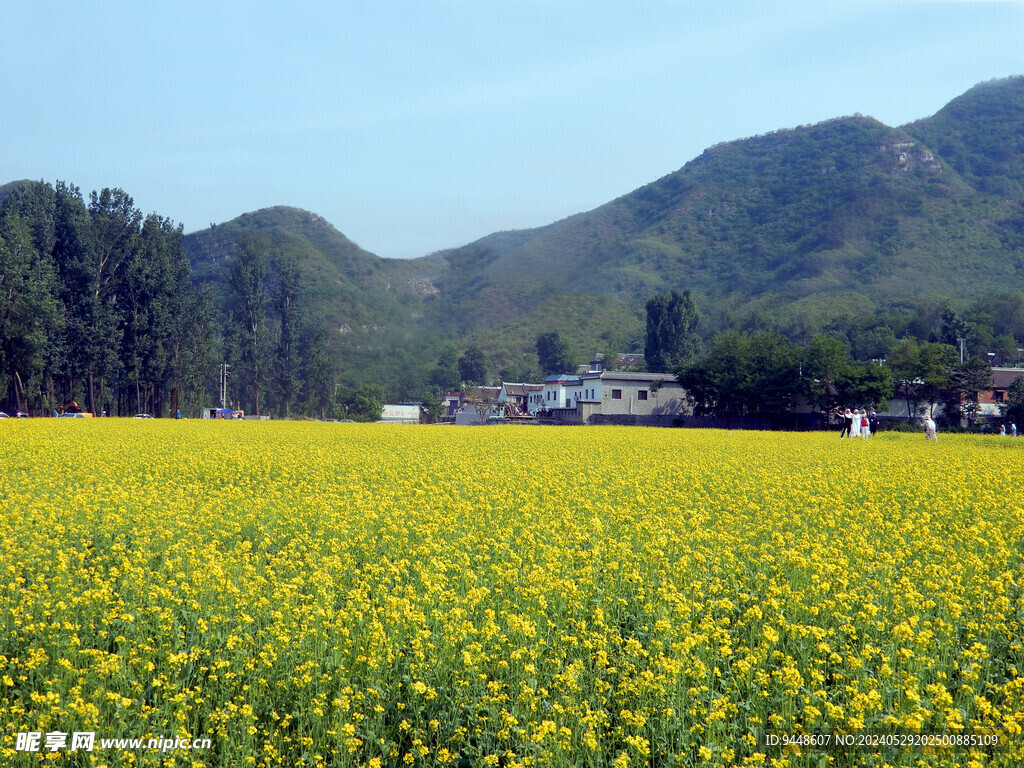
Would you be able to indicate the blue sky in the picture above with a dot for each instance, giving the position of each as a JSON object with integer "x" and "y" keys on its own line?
{"x": 414, "y": 126}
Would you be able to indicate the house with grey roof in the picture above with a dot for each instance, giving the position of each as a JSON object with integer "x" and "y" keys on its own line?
{"x": 624, "y": 397}
{"x": 516, "y": 396}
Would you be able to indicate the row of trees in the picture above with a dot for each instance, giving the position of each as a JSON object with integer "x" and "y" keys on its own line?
{"x": 97, "y": 305}
{"x": 279, "y": 353}
{"x": 744, "y": 373}
{"x": 98, "y": 308}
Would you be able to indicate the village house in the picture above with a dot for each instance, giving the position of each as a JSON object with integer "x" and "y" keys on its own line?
{"x": 451, "y": 402}
{"x": 590, "y": 396}
{"x": 557, "y": 392}
{"x": 516, "y": 397}
{"x": 990, "y": 399}
{"x": 479, "y": 405}
{"x": 625, "y": 397}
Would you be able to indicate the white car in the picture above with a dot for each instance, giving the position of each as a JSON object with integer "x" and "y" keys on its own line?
{"x": 142, "y": 416}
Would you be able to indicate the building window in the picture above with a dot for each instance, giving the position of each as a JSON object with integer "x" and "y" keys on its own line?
{"x": 641, "y": 394}
{"x": 616, "y": 394}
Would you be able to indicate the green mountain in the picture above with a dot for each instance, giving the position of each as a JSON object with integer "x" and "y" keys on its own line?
{"x": 979, "y": 135}
{"x": 353, "y": 289}
{"x": 793, "y": 228}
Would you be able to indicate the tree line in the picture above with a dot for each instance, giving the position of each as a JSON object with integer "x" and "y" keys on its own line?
{"x": 756, "y": 372}
{"x": 98, "y": 309}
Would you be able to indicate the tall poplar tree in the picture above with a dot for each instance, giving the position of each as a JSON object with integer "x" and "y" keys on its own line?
{"x": 154, "y": 288}
{"x": 195, "y": 358}
{"x": 287, "y": 301}
{"x": 114, "y": 229}
{"x": 672, "y": 322}
{"x": 28, "y": 310}
{"x": 249, "y": 271}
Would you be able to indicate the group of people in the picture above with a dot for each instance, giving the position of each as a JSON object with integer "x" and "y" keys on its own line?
{"x": 857, "y": 423}
{"x": 1013, "y": 430}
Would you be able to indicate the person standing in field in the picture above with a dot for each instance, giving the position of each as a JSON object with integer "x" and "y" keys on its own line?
{"x": 847, "y": 423}
{"x": 873, "y": 423}
{"x": 855, "y": 423}
{"x": 865, "y": 424}
{"x": 929, "y": 429}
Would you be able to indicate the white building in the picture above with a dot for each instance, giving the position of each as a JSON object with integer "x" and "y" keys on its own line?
{"x": 654, "y": 398}
{"x": 557, "y": 391}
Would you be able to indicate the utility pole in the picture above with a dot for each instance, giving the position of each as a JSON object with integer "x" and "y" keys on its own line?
{"x": 224, "y": 368}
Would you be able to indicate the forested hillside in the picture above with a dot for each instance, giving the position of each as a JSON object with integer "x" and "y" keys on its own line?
{"x": 850, "y": 228}
{"x": 799, "y": 227}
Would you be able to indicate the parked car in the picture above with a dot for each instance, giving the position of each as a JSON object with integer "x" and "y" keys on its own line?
{"x": 142, "y": 416}
{"x": 75, "y": 416}
{"x": 13, "y": 415}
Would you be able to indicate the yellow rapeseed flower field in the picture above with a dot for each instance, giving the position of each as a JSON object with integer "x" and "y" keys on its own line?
{"x": 368, "y": 595}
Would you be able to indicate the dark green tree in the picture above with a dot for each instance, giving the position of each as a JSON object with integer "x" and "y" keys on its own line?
{"x": 433, "y": 408}
{"x": 153, "y": 290}
{"x": 367, "y": 403}
{"x": 936, "y": 362}
{"x": 921, "y": 372}
{"x": 904, "y": 360}
{"x": 553, "y": 355}
{"x": 195, "y": 358}
{"x": 671, "y": 338}
{"x": 1013, "y": 409}
{"x": 319, "y": 371}
{"x": 1005, "y": 348}
{"x": 114, "y": 239}
{"x": 288, "y": 302}
{"x": 446, "y": 375}
{"x": 965, "y": 335}
{"x": 29, "y": 314}
{"x": 966, "y": 381}
{"x": 826, "y": 368}
{"x": 774, "y": 373}
{"x": 865, "y": 385}
{"x": 473, "y": 366}
{"x": 71, "y": 355}
{"x": 249, "y": 271}
{"x": 719, "y": 383}
{"x": 743, "y": 374}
